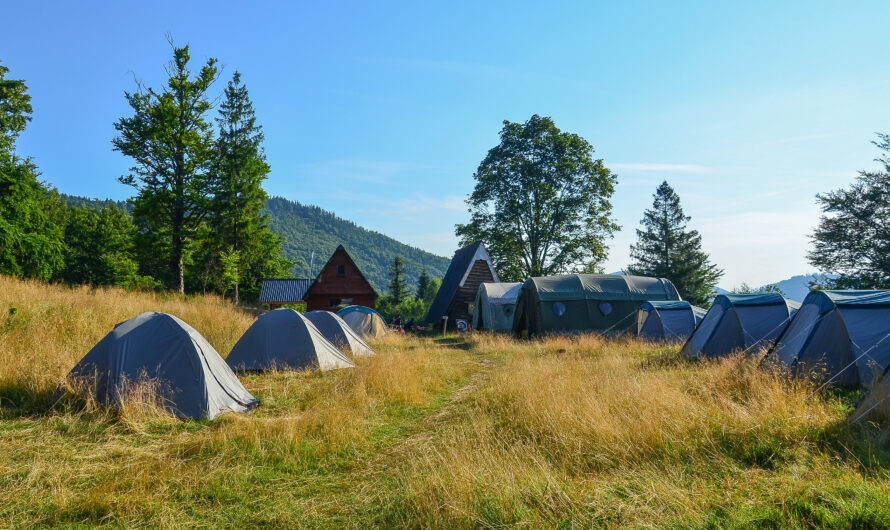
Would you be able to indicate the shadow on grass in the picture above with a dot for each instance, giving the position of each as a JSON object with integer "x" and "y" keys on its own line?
{"x": 18, "y": 399}
{"x": 454, "y": 341}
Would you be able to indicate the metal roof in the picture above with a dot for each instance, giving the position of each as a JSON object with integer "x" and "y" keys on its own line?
{"x": 284, "y": 290}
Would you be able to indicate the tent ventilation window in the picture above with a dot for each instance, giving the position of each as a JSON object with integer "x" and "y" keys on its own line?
{"x": 559, "y": 309}
{"x": 605, "y": 308}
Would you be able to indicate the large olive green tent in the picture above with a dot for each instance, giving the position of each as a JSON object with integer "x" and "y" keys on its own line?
{"x": 495, "y": 305}
{"x": 573, "y": 303}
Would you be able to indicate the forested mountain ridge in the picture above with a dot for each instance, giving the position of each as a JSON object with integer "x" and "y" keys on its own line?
{"x": 304, "y": 229}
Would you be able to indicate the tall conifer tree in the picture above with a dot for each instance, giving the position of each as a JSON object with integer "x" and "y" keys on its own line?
{"x": 30, "y": 213}
{"x": 238, "y": 226}
{"x": 171, "y": 142}
{"x": 665, "y": 249}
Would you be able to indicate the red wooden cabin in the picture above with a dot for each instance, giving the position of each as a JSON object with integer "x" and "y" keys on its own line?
{"x": 340, "y": 283}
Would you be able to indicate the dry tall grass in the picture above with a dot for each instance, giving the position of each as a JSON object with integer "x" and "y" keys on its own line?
{"x": 469, "y": 431}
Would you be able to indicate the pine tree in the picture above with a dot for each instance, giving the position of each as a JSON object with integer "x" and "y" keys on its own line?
{"x": 398, "y": 290}
{"x": 665, "y": 249}
{"x": 236, "y": 221}
{"x": 30, "y": 213}
{"x": 423, "y": 282}
{"x": 172, "y": 145}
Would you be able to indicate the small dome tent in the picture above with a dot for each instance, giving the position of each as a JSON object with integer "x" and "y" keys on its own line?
{"x": 844, "y": 335}
{"x": 668, "y": 321}
{"x": 495, "y": 305}
{"x": 283, "y": 338}
{"x": 577, "y": 303}
{"x": 364, "y": 321}
{"x": 191, "y": 378}
{"x": 339, "y": 333}
{"x": 739, "y": 322}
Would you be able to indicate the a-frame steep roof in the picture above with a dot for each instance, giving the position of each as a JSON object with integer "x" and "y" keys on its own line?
{"x": 457, "y": 273}
{"x": 339, "y": 248}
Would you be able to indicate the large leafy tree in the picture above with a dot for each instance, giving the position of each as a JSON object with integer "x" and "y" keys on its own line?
{"x": 541, "y": 203}
{"x": 30, "y": 213}
{"x": 171, "y": 142}
{"x": 100, "y": 248}
{"x": 240, "y": 248}
{"x": 666, "y": 249}
{"x": 852, "y": 240}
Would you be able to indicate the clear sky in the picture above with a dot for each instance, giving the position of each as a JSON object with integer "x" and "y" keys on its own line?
{"x": 382, "y": 111}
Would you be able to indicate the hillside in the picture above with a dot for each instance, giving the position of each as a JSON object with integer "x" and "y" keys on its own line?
{"x": 305, "y": 229}
{"x": 432, "y": 432}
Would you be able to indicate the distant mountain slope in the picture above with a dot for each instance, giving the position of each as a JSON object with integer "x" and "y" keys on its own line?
{"x": 305, "y": 229}
{"x": 797, "y": 287}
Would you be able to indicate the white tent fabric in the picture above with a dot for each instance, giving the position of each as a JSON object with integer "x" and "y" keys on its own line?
{"x": 192, "y": 379}
{"x": 339, "y": 333}
{"x": 285, "y": 339}
{"x": 495, "y": 306}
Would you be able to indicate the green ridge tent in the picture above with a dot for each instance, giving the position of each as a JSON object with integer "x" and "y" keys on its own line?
{"x": 842, "y": 336}
{"x": 577, "y": 303}
{"x": 738, "y": 322}
{"x": 668, "y": 321}
{"x": 495, "y": 305}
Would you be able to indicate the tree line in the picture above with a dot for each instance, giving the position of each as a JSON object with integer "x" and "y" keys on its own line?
{"x": 197, "y": 222}
{"x": 542, "y": 205}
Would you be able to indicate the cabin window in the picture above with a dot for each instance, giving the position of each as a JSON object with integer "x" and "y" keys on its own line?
{"x": 341, "y": 270}
{"x": 334, "y": 303}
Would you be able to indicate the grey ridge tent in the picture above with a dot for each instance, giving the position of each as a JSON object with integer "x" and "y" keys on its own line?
{"x": 282, "y": 339}
{"x": 668, "y": 321}
{"x": 740, "y": 322}
{"x": 339, "y": 333}
{"x": 574, "y": 303}
{"x": 191, "y": 379}
{"x": 843, "y": 336}
{"x": 495, "y": 305}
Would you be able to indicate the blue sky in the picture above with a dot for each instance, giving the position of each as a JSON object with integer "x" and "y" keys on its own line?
{"x": 382, "y": 111}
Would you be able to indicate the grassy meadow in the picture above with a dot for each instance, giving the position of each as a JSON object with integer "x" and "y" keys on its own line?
{"x": 443, "y": 432}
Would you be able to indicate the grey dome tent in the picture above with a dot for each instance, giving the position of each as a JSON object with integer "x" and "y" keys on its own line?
{"x": 192, "y": 379}
{"x": 364, "y": 321}
{"x": 339, "y": 333}
{"x": 283, "y": 338}
{"x": 575, "y": 303}
{"x": 495, "y": 305}
{"x": 740, "y": 322}
{"x": 842, "y": 335}
{"x": 668, "y": 321}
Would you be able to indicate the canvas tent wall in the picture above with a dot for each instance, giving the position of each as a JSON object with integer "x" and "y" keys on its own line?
{"x": 495, "y": 305}
{"x": 739, "y": 322}
{"x": 667, "y": 321}
{"x": 470, "y": 267}
{"x": 339, "y": 333}
{"x": 282, "y": 339}
{"x": 364, "y": 321}
{"x": 876, "y": 404}
{"x": 191, "y": 378}
{"x": 573, "y": 303}
{"x": 842, "y": 337}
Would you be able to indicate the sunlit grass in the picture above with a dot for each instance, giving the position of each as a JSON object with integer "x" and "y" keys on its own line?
{"x": 455, "y": 431}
